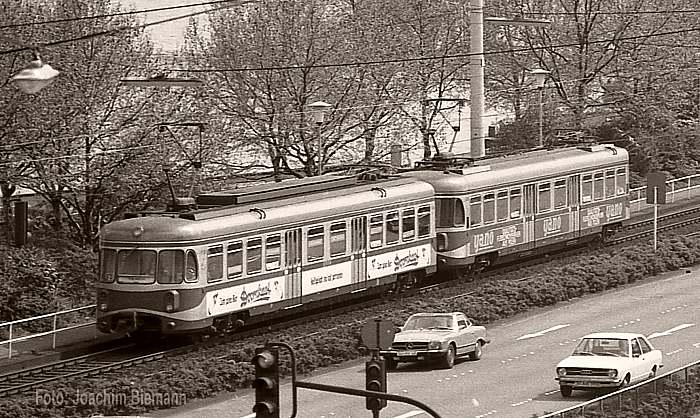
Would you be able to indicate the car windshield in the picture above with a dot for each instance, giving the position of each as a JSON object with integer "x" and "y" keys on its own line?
{"x": 428, "y": 322}
{"x": 615, "y": 347}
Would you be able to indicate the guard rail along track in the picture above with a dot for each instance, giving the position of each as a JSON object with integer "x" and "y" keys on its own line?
{"x": 101, "y": 362}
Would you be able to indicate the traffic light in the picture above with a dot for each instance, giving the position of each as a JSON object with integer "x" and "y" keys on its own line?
{"x": 266, "y": 383}
{"x": 375, "y": 374}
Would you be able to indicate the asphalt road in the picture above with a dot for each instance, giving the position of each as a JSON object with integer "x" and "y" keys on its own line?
{"x": 515, "y": 377}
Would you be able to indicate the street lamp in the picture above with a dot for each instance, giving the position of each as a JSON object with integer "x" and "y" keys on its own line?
{"x": 318, "y": 110}
{"x": 540, "y": 78}
{"x": 35, "y": 76}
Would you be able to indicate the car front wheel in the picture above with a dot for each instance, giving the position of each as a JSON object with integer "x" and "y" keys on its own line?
{"x": 448, "y": 361}
{"x": 476, "y": 354}
{"x": 566, "y": 391}
{"x": 625, "y": 382}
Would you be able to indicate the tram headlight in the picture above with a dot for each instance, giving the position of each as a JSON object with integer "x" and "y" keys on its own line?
{"x": 172, "y": 301}
{"x": 103, "y": 307}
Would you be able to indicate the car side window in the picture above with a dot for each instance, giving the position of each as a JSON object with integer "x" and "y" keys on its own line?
{"x": 636, "y": 351}
{"x": 645, "y": 347}
{"x": 461, "y": 323}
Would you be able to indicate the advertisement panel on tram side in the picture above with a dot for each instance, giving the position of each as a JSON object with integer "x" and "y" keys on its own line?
{"x": 552, "y": 225}
{"x": 399, "y": 261}
{"x": 326, "y": 278}
{"x": 603, "y": 213}
{"x": 234, "y": 298}
{"x": 490, "y": 239}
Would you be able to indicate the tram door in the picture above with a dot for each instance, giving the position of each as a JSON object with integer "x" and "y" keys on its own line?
{"x": 529, "y": 210}
{"x": 358, "y": 251}
{"x": 292, "y": 265}
{"x": 572, "y": 186}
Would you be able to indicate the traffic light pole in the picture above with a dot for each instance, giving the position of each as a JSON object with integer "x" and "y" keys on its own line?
{"x": 343, "y": 390}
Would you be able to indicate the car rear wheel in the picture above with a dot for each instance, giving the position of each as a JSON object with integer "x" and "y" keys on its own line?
{"x": 566, "y": 391}
{"x": 448, "y": 361}
{"x": 653, "y": 373}
{"x": 476, "y": 354}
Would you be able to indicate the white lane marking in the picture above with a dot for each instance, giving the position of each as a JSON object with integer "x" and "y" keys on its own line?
{"x": 409, "y": 414}
{"x": 541, "y": 333}
{"x": 670, "y": 331}
{"x": 696, "y": 345}
{"x": 670, "y": 353}
{"x": 250, "y": 416}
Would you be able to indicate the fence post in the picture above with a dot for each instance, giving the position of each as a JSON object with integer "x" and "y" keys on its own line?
{"x": 9, "y": 346}
{"x": 53, "y": 334}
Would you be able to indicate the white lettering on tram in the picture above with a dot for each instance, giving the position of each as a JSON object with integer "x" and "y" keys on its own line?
{"x": 551, "y": 225}
{"x": 483, "y": 240}
{"x": 614, "y": 210}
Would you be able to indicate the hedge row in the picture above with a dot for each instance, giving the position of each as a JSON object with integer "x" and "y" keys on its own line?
{"x": 227, "y": 368}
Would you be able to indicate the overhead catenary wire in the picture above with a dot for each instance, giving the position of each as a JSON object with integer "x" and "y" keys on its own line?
{"x": 115, "y": 14}
{"x": 111, "y": 32}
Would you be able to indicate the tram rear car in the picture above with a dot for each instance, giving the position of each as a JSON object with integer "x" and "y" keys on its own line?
{"x": 520, "y": 205}
{"x": 263, "y": 251}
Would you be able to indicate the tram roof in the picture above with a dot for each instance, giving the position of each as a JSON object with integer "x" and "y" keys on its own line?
{"x": 492, "y": 173}
{"x": 303, "y": 209}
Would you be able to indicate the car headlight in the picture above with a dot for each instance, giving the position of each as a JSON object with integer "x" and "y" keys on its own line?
{"x": 434, "y": 345}
{"x": 612, "y": 373}
{"x": 561, "y": 371}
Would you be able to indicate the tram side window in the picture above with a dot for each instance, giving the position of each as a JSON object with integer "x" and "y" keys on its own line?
{"x": 273, "y": 250}
{"x": 392, "y": 227}
{"x": 314, "y": 245}
{"x": 516, "y": 203}
{"x": 544, "y": 201}
{"x": 598, "y": 186}
{"x": 502, "y": 206}
{"x": 171, "y": 266}
{"x": 489, "y": 208}
{"x": 376, "y": 231}
{"x": 136, "y": 266}
{"x": 560, "y": 195}
{"x": 338, "y": 239}
{"x": 586, "y": 188}
{"x": 234, "y": 260}
{"x": 475, "y": 211}
{"x": 215, "y": 263}
{"x": 423, "y": 221}
{"x": 253, "y": 256}
{"x": 109, "y": 262}
{"x": 408, "y": 224}
{"x": 621, "y": 181}
{"x": 191, "y": 267}
{"x": 610, "y": 183}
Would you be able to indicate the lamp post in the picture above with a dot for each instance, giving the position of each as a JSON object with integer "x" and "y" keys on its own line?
{"x": 35, "y": 76}
{"x": 318, "y": 109}
{"x": 540, "y": 78}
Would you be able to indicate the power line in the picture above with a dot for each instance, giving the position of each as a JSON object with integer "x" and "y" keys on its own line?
{"x": 635, "y": 12}
{"x": 115, "y": 14}
{"x": 440, "y": 57}
{"x": 111, "y": 32}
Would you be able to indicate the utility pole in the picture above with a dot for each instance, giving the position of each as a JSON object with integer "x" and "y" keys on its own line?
{"x": 477, "y": 147}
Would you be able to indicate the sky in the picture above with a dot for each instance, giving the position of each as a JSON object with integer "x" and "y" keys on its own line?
{"x": 167, "y": 36}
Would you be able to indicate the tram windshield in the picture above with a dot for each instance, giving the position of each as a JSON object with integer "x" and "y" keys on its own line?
{"x": 134, "y": 266}
{"x": 450, "y": 212}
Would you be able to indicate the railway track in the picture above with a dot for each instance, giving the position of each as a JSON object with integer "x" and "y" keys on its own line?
{"x": 131, "y": 354}
{"x": 91, "y": 364}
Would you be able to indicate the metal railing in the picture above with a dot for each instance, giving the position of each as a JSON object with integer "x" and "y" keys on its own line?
{"x": 631, "y": 396}
{"x": 676, "y": 189}
{"x": 14, "y": 325}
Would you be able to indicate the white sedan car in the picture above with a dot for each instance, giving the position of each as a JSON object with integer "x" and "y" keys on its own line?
{"x": 608, "y": 360}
